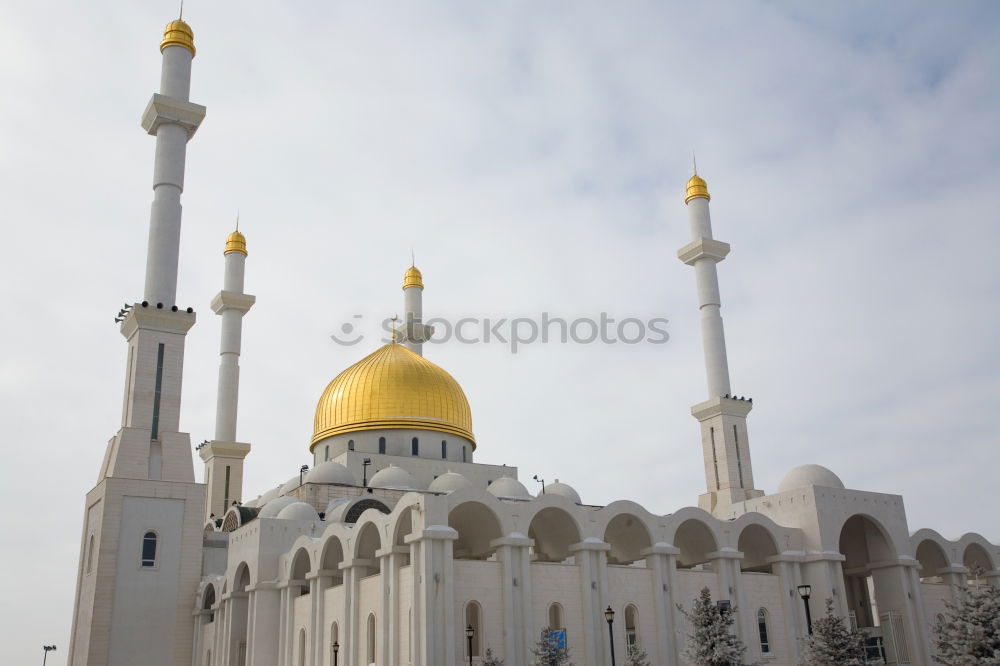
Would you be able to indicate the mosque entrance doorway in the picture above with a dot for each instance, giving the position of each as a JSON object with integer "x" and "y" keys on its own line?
{"x": 873, "y": 584}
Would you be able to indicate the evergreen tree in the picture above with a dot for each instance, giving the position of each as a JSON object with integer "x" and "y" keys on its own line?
{"x": 969, "y": 633}
{"x": 548, "y": 652}
{"x": 833, "y": 643}
{"x": 636, "y": 656}
{"x": 712, "y": 643}
{"x": 490, "y": 660}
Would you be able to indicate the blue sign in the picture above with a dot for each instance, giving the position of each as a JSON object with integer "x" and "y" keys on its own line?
{"x": 557, "y": 638}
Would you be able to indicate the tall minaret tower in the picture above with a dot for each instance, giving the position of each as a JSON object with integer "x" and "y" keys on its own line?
{"x": 413, "y": 333}
{"x": 723, "y": 417}
{"x": 224, "y": 455}
{"x": 140, "y": 555}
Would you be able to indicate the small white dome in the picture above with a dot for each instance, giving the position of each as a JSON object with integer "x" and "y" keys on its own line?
{"x": 274, "y": 507}
{"x": 810, "y": 475}
{"x": 450, "y": 482}
{"x": 252, "y": 504}
{"x": 507, "y": 486}
{"x": 393, "y": 478}
{"x": 331, "y": 472}
{"x": 268, "y": 496}
{"x": 563, "y": 489}
{"x": 298, "y": 511}
{"x": 289, "y": 485}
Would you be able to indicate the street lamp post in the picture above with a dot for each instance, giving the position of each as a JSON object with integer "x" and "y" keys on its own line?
{"x": 469, "y": 633}
{"x": 609, "y": 615}
{"x": 805, "y": 591}
{"x": 336, "y": 649}
{"x": 47, "y": 648}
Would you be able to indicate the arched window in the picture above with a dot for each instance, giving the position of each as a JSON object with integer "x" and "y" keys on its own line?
{"x": 474, "y": 619}
{"x": 149, "y": 549}
{"x": 302, "y": 647}
{"x": 350, "y": 445}
{"x": 765, "y": 642}
{"x": 381, "y": 444}
{"x": 334, "y": 642}
{"x": 371, "y": 639}
{"x": 90, "y": 554}
{"x": 631, "y": 626}
{"x": 208, "y": 658}
{"x": 414, "y": 447}
{"x": 556, "y": 617}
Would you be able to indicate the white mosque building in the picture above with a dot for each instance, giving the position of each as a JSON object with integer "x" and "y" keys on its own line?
{"x": 398, "y": 548}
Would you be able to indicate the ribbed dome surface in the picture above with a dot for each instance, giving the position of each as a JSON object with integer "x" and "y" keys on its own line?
{"x": 393, "y": 388}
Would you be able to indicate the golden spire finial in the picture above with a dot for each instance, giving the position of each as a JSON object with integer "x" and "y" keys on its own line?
{"x": 180, "y": 16}
{"x": 394, "y": 319}
{"x": 413, "y": 278}
{"x": 236, "y": 242}
{"x": 696, "y": 186}
{"x": 178, "y": 33}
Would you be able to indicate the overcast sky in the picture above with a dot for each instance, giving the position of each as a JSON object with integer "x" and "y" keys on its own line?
{"x": 533, "y": 156}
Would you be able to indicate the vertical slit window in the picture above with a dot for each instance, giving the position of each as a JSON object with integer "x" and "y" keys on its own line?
{"x": 715, "y": 458}
{"x": 739, "y": 462}
{"x": 381, "y": 445}
{"x": 765, "y": 643}
{"x": 444, "y": 449}
{"x": 156, "y": 392}
{"x": 225, "y": 504}
{"x": 414, "y": 447}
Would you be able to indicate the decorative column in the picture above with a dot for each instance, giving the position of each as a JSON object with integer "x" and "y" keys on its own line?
{"x": 264, "y": 624}
{"x": 726, "y": 563}
{"x": 515, "y": 593}
{"x": 395, "y": 626}
{"x": 725, "y": 443}
{"x": 591, "y": 556}
{"x": 787, "y": 566}
{"x": 661, "y": 560}
{"x": 435, "y": 595}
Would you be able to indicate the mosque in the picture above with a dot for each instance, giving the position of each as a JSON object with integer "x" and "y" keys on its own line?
{"x": 396, "y": 547}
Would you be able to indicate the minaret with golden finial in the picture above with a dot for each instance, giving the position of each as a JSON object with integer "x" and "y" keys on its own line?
{"x": 725, "y": 444}
{"x": 224, "y": 456}
{"x": 414, "y": 333}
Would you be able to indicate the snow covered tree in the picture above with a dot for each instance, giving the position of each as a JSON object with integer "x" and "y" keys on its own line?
{"x": 712, "y": 643}
{"x": 636, "y": 656}
{"x": 549, "y": 652}
{"x": 969, "y": 633}
{"x": 490, "y": 660}
{"x": 833, "y": 643}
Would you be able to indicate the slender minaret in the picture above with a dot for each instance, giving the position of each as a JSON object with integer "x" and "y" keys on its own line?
{"x": 140, "y": 556}
{"x": 728, "y": 472}
{"x": 224, "y": 455}
{"x": 413, "y": 333}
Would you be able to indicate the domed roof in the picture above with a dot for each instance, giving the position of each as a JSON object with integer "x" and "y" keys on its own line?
{"x": 331, "y": 472}
{"x": 236, "y": 242}
{"x": 289, "y": 485}
{"x": 507, "y": 486}
{"x": 393, "y": 388}
{"x": 274, "y": 507}
{"x": 449, "y": 482}
{"x": 178, "y": 33}
{"x": 563, "y": 489}
{"x": 810, "y": 475}
{"x": 268, "y": 496}
{"x": 413, "y": 278}
{"x": 298, "y": 511}
{"x": 393, "y": 478}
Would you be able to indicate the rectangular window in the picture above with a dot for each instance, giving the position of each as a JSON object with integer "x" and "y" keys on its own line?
{"x": 414, "y": 447}
{"x": 381, "y": 445}
{"x": 225, "y": 503}
{"x": 463, "y": 453}
{"x": 715, "y": 459}
{"x": 444, "y": 449}
{"x": 739, "y": 463}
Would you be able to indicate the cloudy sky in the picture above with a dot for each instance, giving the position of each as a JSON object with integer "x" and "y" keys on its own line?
{"x": 533, "y": 156}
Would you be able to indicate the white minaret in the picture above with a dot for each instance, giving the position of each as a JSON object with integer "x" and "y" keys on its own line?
{"x": 143, "y": 523}
{"x": 725, "y": 444}
{"x": 224, "y": 455}
{"x": 413, "y": 333}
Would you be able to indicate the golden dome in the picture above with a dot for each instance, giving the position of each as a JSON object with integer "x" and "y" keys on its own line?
{"x": 413, "y": 278}
{"x": 393, "y": 388}
{"x": 236, "y": 242}
{"x": 178, "y": 33}
{"x": 697, "y": 187}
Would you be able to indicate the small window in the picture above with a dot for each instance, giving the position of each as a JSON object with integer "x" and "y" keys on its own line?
{"x": 555, "y": 617}
{"x": 371, "y": 639}
{"x": 149, "y": 549}
{"x": 414, "y": 447}
{"x": 631, "y": 626}
{"x": 350, "y": 445}
{"x": 765, "y": 643}
{"x": 444, "y": 449}
{"x": 463, "y": 453}
{"x": 381, "y": 444}
{"x": 326, "y": 452}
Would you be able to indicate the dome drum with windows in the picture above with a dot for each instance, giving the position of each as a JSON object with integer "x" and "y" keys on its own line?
{"x": 392, "y": 390}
